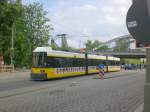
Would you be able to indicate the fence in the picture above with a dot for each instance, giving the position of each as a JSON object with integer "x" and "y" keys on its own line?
{"x": 6, "y": 68}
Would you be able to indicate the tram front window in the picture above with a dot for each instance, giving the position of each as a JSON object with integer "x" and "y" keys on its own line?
{"x": 38, "y": 60}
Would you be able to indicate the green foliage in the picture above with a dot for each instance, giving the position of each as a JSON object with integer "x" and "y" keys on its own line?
{"x": 31, "y": 30}
{"x": 102, "y": 48}
{"x": 121, "y": 45}
{"x": 54, "y": 45}
{"x": 131, "y": 61}
{"x": 96, "y": 45}
{"x": 89, "y": 45}
{"x": 9, "y": 14}
{"x": 37, "y": 25}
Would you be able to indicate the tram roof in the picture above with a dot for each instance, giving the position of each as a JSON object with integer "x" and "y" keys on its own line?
{"x": 42, "y": 49}
{"x": 55, "y": 53}
{"x": 90, "y": 56}
{"x": 65, "y": 54}
{"x": 113, "y": 58}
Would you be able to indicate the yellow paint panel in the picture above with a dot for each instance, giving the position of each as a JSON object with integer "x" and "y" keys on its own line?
{"x": 65, "y": 75}
{"x": 38, "y": 70}
{"x": 114, "y": 68}
{"x": 51, "y": 72}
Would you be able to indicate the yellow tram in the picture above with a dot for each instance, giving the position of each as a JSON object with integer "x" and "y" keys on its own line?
{"x": 50, "y": 64}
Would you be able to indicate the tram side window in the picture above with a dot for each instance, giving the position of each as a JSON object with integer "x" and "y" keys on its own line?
{"x": 59, "y": 62}
{"x": 93, "y": 62}
{"x": 54, "y": 62}
{"x": 104, "y": 62}
{"x": 100, "y": 62}
{"x": 77, "y": 62}
{"x": 114, "y": 63}
{"x": 74, "y": 62}
{"x": 89, "y": 62}
{"x": 64, "y": 62}
{"x": 51, "y": 62}
{"x": 117, "y": 63}
{"x": 68, "y": 62}
{"x": 110, "y": 63}
{"x": 81, "y": 62}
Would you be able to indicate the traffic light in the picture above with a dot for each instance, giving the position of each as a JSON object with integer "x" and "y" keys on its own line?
{"x": 138, "y": 21}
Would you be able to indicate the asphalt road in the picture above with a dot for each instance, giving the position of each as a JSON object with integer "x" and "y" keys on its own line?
{"x": 118, "y": 92}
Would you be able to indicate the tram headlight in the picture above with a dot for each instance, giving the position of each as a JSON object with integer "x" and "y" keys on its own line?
{"x": 42, "y": 71}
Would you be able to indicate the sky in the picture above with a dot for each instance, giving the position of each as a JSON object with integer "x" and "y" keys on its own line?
{"x": 86, "y": 20}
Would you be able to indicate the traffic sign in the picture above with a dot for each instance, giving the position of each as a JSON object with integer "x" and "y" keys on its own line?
{"x": 138, "y": 21}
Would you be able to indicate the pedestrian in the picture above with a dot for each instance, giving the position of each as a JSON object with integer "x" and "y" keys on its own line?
{"x": 101, "y": 70}
{"x": 140, "y": 67}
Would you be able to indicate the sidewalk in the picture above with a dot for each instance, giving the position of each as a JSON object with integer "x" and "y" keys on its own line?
{"x": 140, "y": 108}
{"x": 14, "y": 75}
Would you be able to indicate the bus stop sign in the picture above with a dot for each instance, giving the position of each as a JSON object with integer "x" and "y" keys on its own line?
{"x": 138, "y": 21}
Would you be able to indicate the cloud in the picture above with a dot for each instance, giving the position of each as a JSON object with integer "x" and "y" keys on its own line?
{"x": 88, "y": 7}
{"x": 96, "y": 19}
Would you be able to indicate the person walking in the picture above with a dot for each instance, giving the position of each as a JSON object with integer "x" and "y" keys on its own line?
{"x": 101, "y": 70}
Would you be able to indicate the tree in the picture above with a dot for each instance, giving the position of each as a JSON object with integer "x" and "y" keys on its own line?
{"x": 37, "y": 24}
{"x": 10, "y": 12}
{"x": 96, "y": 45}
{"x": 33, "y": 30}
{"x": 102, "y": 48}
{"x": 89, "y": 45}
{"x": 121, "y": 45}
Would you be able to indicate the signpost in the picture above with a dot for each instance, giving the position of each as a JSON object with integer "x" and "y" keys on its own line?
{"x": 138, "y": 24}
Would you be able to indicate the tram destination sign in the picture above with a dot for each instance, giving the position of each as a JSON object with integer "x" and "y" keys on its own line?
{"x": 138, "y": 22}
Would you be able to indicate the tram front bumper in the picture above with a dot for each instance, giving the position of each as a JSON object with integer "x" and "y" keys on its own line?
{"x": 38, "y": 76}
